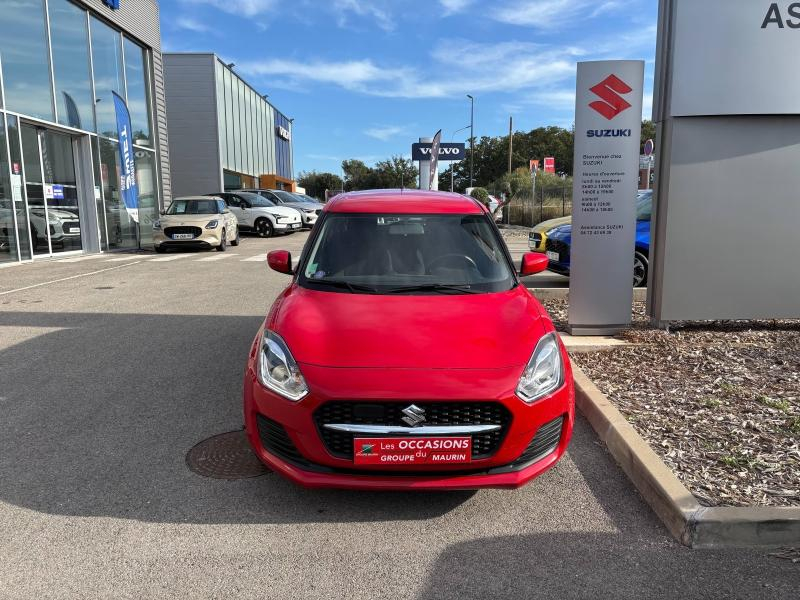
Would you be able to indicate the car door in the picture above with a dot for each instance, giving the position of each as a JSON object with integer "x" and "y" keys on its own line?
{"x": 235, "y": 206}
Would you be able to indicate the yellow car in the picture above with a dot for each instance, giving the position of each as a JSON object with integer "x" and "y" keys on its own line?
{"x": 538, "y": 235}
{"x": 196, "y": 222}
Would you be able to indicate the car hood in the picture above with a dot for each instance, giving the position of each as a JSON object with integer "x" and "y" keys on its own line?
{"x": 281, "y": 211}
{"x": 195, "y": 220}
{"x": 301, "y": 206}
{"x": 545, "y": 226}
{"x": 480, "y": 331}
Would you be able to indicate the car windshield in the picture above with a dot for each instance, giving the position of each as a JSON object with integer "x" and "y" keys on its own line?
{"x": 306, "y": 199}
{"x": 192, "y": 207}
{"x": 405, "y": 254}
{"x": 286, "y": 196}
{"x": 644, "y": 207}
{"x": 255, "y": 199}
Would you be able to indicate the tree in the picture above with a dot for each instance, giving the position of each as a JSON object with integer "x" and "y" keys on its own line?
{"x": 648, "y": 132}
{"x": 315, "y": 183}
{"x": 394, "y": 172}
{"x": 356, "y": 175}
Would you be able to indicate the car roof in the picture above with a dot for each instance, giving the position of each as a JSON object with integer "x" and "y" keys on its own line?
{"x": 209, "y": 197}
{"x": 404, "y": 202}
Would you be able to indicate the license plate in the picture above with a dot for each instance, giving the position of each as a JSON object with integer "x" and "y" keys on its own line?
{"x": 295, "y": 225}
{"x": 73, "y": 229}
{"x": 412, "y": 451}
{"x": 555, "y": 256}
{"x": 182, "y": 236}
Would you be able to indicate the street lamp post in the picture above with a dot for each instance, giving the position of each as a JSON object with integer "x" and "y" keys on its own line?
{"x": 471, "y": 139}
{"x": 452, "y": 163}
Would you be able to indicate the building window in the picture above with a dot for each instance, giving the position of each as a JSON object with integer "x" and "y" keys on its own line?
{"x": 138, "y": 86}
{"x": 108, "y": 75}
{"x": 26, "y": 64}
{"x": 120, "y": 227}
{"x": 232, "y": 181}
{"x": 70, "y": 41}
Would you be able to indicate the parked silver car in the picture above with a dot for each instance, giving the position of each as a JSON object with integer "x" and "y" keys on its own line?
{"x": 309, "y": 211}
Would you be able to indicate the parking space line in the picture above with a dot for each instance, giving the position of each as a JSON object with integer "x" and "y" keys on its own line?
{"x": 170, "y": 258}
{"x": 259, "y": 258}
{"x": 80, "y": 258}
{"x": 36, "y": 285}
{"x": 121, "y": 258}
{"x": 216, "y": 257}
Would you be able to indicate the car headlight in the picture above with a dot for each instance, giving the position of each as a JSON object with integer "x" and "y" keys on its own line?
{"x": 282, "y": 219}
{"x": 157, "y": 224}
{"x": 545, "y": 370}
{"x": 278, "y": 370}
{"x": 212, "y": 224}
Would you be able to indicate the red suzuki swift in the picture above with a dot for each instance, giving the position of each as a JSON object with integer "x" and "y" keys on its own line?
{"x": 406, "y": 354}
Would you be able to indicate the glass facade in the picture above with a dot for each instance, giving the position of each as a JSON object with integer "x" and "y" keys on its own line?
{"x": 60, "y": 64}
{"x": 69, "y": 35}
{"x": 25, "y": 59}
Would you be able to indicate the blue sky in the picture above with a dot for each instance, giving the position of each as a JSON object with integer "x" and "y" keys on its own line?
{"x": 366, "y": 78}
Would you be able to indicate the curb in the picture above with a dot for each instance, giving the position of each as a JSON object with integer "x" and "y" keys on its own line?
{"x": 554, "y": 293}
{"x": 689, "y": 522}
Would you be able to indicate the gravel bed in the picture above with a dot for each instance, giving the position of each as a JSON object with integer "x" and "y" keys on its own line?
{"x": 718, "y": 401}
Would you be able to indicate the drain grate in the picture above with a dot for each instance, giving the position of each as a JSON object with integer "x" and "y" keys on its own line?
{"x": 225, "y": 456}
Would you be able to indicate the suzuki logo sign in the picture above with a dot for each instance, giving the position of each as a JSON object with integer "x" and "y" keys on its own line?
{"x": 611, "y": 103}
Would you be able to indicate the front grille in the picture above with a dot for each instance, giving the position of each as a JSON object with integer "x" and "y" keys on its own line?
{"x": 340, "y": 443}
{"x": 276, "y": 441}
{"x": 558, "y": 246}
{"x": 68, "y": 226}
{"x": 170, "y": 231}
{"x": 543, "y": 443}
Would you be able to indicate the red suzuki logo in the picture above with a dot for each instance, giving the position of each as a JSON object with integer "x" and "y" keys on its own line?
{"x": 609, "y": 91}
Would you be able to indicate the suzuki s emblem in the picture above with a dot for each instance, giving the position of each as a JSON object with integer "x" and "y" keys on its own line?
{"x": 414, "y": 415}
{"x": 611, "y": 103}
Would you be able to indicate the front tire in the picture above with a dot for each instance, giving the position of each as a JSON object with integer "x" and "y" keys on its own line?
{"x": 236, "y": 240}
{"x": 641, "y": 267}
{"x": 161, "y": 250}
{"x": 264, "y": 228}
{"x": 223, "y": 243}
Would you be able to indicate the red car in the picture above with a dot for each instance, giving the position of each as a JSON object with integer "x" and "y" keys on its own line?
{"x": 406, "y": 354}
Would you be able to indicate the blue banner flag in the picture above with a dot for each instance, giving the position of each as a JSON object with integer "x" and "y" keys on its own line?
{"x": 127, "y": 185}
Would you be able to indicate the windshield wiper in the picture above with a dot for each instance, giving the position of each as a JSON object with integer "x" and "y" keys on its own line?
{"x": 434, "y": 287}
{"x": 354, "y": 288}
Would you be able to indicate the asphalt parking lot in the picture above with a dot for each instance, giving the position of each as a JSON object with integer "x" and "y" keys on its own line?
{"x": 112, "y": 367}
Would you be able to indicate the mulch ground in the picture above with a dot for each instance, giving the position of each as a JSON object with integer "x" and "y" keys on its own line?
{"x": 718, "y": 401}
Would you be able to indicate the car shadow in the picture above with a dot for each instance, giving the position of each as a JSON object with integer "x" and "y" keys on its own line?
{"x": 97, "y": 415}
{"x": 602, "y": 565}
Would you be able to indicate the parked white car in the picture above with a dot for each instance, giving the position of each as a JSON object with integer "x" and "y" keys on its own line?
{"x": 261, "y": 215}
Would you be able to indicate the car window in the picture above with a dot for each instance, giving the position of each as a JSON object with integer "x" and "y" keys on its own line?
{"x": 253, "y": 199}
{"x": 644, "y": 208}
{"x": 389, "y": 252}
{"x": 232, "y": 200}
{"x": 193, "y": 207}
{"x": 221, "y": 206}
{"x": 287, "y": 196}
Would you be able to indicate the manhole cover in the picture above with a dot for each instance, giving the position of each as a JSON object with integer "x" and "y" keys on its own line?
{"x": 225, "y": 456}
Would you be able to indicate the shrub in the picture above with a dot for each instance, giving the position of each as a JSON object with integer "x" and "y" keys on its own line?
{"x": 481, "y": 195}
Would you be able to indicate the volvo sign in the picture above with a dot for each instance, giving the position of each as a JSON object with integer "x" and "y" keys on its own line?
{"x": 447, "y": 151}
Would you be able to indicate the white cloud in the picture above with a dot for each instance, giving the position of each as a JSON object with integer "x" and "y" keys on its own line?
{"x": 365, "y": 9}
{"x": 245, "y": 8}
{"x": 385, "y": 132}
{"x": 452, "y": 7}
{"x": 191, "y": 24}
{"x": 550, "y": 13}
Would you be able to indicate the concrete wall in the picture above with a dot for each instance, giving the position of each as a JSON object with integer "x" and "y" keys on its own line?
{"x": 193, "y": 127}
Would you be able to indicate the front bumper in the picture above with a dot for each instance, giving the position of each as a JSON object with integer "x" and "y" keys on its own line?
{"x": 297, "y": 451}
{"x": 293, "y": 226}
{"x": 209, "y": 238}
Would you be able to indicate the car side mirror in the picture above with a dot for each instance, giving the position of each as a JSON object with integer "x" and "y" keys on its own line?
{"x": 280, "y": 261}
{"x": 532, "y": 263}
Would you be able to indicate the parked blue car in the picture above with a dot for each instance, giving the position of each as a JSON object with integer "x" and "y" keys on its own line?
{"x": 559, "y": 239}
